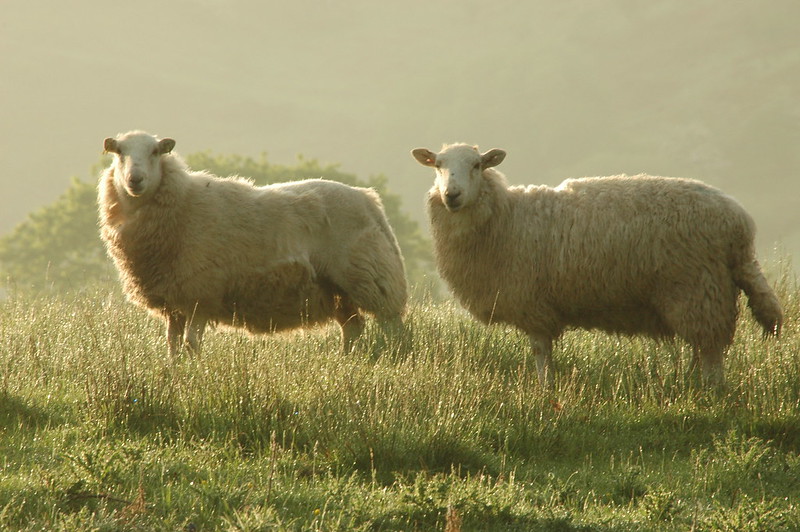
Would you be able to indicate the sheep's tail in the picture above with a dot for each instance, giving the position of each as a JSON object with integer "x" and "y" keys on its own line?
{"x": 761, "y": 298}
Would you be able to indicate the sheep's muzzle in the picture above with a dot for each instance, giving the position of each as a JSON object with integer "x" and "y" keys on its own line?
{"x": 452, "y": 201}
{"x": 135, "y": 184}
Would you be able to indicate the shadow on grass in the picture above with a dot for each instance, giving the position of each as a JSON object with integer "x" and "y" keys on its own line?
{"x": 247, "y": 425}
{"x": 573, "y": 437}
{"x": 16, "y": 413}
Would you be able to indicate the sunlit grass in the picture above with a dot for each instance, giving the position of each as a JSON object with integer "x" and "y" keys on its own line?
{"x": 101, "y": 429}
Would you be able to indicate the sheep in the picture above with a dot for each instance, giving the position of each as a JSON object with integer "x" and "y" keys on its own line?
{"x": 196, "y": 249}
{"x": 662, "y": 257}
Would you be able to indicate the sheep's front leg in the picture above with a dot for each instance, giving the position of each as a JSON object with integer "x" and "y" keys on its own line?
{"x": 542, "y": 350}
{"x": 176, "y": 324}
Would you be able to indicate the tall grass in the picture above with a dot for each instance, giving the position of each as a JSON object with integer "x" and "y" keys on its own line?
{"x": 448, "y": 429}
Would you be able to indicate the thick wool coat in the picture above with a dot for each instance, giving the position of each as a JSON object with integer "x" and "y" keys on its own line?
{"x": 635, "y": 255}
{"x": 221, "y": 250}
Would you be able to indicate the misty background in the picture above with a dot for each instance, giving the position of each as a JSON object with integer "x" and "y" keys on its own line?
{"x": 704, "y": 88}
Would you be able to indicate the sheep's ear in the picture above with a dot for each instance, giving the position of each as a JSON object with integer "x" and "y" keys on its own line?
{"x": 492, "y": 158}
{"x": 166, "y": 145}
{"x": 425, "y": 156}
{"x": 110, "y": 146}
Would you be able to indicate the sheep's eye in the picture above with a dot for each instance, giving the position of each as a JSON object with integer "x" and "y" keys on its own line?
{"x": 155, "y": 152}
{"x": 476, "y": 166}
{"x": 437, "y": 165}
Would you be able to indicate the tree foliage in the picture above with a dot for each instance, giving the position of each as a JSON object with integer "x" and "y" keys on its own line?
{"x": 58, "y": 246}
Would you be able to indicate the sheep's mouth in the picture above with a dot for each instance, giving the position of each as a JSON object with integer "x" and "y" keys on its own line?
{"x": 453, "y": 205}
{"x": 135, "y": 189}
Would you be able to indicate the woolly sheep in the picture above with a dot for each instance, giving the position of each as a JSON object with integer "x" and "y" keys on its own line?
{"x": 662, "y": 257}
{"x": 195, "y": 249}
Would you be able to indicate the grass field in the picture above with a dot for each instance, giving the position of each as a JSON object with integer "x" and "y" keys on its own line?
{"x": 100, "y": 430}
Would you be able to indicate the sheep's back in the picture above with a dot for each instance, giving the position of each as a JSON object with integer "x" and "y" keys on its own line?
{"x": 645, "y": 225}
{"x": 279, "y": 219}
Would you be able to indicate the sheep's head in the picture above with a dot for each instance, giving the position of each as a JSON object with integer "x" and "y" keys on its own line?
{"x": 459, "y": 172}
{"x": 137, "y": 161}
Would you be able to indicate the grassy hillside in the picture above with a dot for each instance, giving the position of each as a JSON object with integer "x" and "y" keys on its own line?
{"x": 100, "y": 430}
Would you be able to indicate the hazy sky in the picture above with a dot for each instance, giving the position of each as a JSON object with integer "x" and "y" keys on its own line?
{"x": 706, "y": 89}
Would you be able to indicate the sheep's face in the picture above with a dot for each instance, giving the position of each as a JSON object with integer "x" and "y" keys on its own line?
{"x": 137, "y": 160}
{"x": 459, "y": 172}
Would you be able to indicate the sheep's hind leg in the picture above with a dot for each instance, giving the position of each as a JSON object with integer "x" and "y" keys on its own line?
{"x": 351, "y": 321}
{"x": 542, "y": 350}
{"x": 393, "y": 338}
{"x": 711, "y": 363}
{"x": 176, "y": 324}
{"x": 392, "y": 327}
{"x": 194, "y": 334}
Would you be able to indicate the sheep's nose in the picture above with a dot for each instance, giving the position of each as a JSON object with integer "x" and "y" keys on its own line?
{"x": 451, "y": 200}
{"x": 135, "y": 183}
